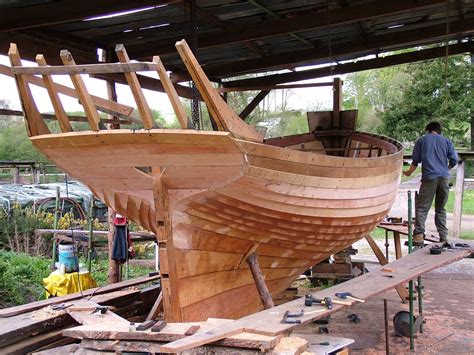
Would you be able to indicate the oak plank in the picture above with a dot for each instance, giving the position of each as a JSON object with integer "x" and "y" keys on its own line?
{"x": 172, "y": 94}
{"x": 61, "y": 114}
{"x": 84, "y": 96}
{"x": 34, "y": 122}
{"x": 132, "y": 80}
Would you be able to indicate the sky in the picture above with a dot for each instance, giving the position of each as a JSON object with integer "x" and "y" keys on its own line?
{"x": 305, "y": 99}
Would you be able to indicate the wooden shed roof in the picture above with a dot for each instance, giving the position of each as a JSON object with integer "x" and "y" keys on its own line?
{"x": 234, "y": 36}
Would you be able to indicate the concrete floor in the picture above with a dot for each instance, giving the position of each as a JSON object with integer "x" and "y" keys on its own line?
{"x": 448, "y": 309}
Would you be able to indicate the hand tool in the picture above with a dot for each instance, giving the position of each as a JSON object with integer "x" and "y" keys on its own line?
{"x": 328, "y": 302}
{"x": 354, "y": 318}
{"x": 349, "y": 295}
{"x": 60, "y": 307}
{"x": 289, "y": 318}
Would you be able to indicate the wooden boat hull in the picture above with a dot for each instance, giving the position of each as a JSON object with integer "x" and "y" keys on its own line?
{"x": 212, "y": 198}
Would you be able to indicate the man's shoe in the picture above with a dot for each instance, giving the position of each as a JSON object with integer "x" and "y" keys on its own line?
{"x": 418, "y": 240}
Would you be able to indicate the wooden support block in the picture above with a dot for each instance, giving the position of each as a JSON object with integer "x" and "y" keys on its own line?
{"x": 61, "y": 114}
{"x": 35, "y": 123}
{"x": 398, "y": 246}
{"x": 158, "y": 327}
{"x": 145, "y": 325}
{"x": 84, "y": 96}
{"x": 401, "y": 290}
{"x": 132, "y": 80}
{"x": 191, "y": 330}
{"x": 290, "y": 346}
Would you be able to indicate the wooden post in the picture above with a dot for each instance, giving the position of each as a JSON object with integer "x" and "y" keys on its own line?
{"x": 262, "y": 288}
{"x": 337, "y": 103}
{"x": 402, "y": 292}
{"x": 458, "y": 196}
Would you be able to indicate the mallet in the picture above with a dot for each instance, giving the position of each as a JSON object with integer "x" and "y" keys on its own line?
{"x": 348, "y": 295}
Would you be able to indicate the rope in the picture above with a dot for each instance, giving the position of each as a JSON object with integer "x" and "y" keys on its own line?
{"x": 195, "y": 114}
{"x": 329, "y": 39}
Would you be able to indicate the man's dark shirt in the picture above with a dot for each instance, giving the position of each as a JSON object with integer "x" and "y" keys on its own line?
{"x": 434, "y": 151}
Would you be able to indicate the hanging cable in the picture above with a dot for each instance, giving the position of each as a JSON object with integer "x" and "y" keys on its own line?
{"x": 195, "y": 116}
{"x": 328, "y": 26}
{"x": 448, "y": 14}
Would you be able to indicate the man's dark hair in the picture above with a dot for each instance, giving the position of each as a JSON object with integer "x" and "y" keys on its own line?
{"x": 433, "y": 127}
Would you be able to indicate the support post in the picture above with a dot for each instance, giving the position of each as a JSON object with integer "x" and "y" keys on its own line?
{"x": 410, "y": 283}
{"x": 458, "y": 196}
{"x": 91, "y": 234}
{"x": 253, "y": 104}
{"x": 337, "y": 103}
{"x": 402, "y": 292}
{"x": 56, "y": 213}
{"x": 262, "y": 288}
{"x": 385, "y": 313}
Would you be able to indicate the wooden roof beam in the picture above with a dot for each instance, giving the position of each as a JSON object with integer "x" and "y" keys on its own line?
{"x": 362, "y": 47}
{"x": 296, "y": 24}
{"x": 376, "y": 63}
{"x": 52, "y": 13}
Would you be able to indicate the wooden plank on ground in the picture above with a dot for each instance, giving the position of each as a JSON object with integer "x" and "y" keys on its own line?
{"x": 61, "y": 114}
{"x": 401, "y": 290}
{"x": 157, "y": 308}
{"x": 84, "y": 96}
{"x": 132, "y": 80}
{"x": 35, "y": 123}
{"x": 368, "y": 285}
{"x": 12, "y": 311}
{"x": 172, "y": 331}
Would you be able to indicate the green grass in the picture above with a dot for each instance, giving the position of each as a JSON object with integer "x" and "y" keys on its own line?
{"x": 467, "y": 235}
{"x": 467, "y": 202}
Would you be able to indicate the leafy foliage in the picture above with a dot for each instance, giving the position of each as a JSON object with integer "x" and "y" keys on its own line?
{"x": 21, "y": 278}
{"x": 399, "y": 101}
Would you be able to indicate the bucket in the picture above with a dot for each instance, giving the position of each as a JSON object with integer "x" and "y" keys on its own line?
{"x": 68, "y": 257}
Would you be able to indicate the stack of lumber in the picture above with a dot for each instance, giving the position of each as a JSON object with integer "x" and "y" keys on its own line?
{"x": 38, "y": 325}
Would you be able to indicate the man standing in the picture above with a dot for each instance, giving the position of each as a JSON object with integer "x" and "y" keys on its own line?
{"x": 437, "y": 156}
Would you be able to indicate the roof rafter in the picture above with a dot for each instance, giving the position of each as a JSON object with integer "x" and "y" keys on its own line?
{"x": 375, "y": 63}
{"x": 296, "y": 24}
{"x": 67, "y": 11}
{"x": 362, "y": 47}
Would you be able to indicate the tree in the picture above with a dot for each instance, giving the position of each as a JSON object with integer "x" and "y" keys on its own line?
{"x": 399, "y": 101}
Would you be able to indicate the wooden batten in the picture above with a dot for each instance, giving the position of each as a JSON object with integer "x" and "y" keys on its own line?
{"x": 132, "y": 80}
{"x": 34, "y": 122}
{"x": 171, "y": 303}
{"x": 226, "y": 119}
{"x": 104, "y": 105}
{"x": 84, "y": 96}
{"x": 61, "y": 114}
{"x": 172, "y": 94}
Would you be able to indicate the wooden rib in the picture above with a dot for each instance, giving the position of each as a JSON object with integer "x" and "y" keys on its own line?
{"x": 221, "y": 112}
{"x": 104, "y": 105}
{"x": 84, "y": 96}
{"x": 61, "y": 114}
{"x": 136, "y": 89}
{"x": 172, "y": 94}
{"x": 35, "y": 123}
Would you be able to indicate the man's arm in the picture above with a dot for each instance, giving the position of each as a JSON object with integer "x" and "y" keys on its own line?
{"x": 415, "y": 159}
{"x": 452, "y": 156}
